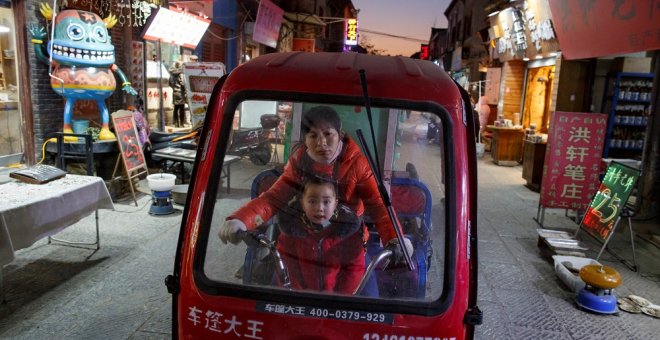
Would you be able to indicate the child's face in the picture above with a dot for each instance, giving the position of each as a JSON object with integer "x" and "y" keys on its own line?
{"x": 319, "y": 202}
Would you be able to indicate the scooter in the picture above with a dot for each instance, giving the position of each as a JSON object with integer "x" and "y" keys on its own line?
{"x": 254, "y": 142}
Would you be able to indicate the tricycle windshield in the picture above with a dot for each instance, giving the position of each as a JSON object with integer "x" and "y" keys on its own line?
{"x": 299, "y": 207}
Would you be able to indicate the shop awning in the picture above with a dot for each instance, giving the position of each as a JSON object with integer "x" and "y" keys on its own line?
{"x": 604, "y": 28}
{"x": 304, "y": 18}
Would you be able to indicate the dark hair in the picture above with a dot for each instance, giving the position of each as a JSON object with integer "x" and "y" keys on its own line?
{"x": 317, "y": 115}
{"x": 319, "y": 180}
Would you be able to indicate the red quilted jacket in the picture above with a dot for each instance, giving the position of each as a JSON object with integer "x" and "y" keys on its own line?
{"x": 357, "y": 189}
{"x": 329, "y": 259}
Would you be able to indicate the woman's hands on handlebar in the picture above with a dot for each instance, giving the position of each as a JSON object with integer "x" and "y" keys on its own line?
{"x": 229, "y": 231}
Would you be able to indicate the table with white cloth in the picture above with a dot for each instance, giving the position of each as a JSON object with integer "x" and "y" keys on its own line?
{"x": 30, "y": 212}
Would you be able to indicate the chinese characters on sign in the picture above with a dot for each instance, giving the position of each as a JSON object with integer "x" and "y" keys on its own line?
{"x": 525, "y": 32}
{"x": 612, "y": 195}
{"x": 267, "y": 25}
{"x": 129, "y": 143}
{"x": 220, "y": 323}
{"x": 572, "y": 160}
{"x": 351, "y": 32}
{"x": 607, "y": 27}
{"x": 326, "y": 313}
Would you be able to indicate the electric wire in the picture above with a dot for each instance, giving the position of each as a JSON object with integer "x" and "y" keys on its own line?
{"x": 365, "y": 30}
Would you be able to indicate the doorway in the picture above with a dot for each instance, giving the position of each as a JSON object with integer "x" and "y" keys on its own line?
{"x": 538, "y": 97}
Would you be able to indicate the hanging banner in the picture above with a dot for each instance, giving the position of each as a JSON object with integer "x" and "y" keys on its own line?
{"x": 572, "y": 159}
{"x": 588, "y": 29}
{"x": 200, "y": 79}
{"x": 612, "y": 195}
{"x": 267, "y": 25}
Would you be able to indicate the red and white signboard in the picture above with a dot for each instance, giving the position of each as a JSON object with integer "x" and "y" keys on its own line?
{"x": 588, "y": 29}
{"x": 200, "y": 81}
{"x": 572, "y": 160}
{"x": 267, "y": 25}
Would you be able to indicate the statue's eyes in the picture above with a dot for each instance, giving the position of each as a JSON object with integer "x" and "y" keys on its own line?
{"x": 75, "y": 31}
{"x": 100, "y": 34}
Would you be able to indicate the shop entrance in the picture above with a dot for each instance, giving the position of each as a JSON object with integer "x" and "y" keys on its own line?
{"x": 538, "y": 97}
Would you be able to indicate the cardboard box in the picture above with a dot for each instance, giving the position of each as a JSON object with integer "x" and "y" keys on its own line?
{"x": 631, "y": 64}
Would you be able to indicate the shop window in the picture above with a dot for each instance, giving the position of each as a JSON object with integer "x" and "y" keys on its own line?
{"x": 11, "y": 137}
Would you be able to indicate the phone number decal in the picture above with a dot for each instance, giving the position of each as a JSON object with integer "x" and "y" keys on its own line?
{"x": 326, "y": 313}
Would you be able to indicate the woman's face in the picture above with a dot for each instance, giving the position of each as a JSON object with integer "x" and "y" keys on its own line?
{"x": 322, "y": 140}
{"x": 319, "y": 202}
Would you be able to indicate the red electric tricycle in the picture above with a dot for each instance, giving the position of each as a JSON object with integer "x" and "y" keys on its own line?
{"x": 428, "y": 187}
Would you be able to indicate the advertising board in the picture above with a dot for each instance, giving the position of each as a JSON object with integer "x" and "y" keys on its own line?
{"x": 200, "y": 79}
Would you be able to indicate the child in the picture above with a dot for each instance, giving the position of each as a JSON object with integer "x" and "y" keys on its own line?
{"x": 321, "y": 240}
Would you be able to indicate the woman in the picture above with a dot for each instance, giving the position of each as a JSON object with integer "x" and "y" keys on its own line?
{"x": 326, "y": 151}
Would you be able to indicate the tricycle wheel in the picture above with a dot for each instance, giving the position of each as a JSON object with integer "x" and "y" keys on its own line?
{"x": 260, "y": 155}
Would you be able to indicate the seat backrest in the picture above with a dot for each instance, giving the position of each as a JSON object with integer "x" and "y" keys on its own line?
{"x": 411, "y": 198}
{"x": 263, "y": 182}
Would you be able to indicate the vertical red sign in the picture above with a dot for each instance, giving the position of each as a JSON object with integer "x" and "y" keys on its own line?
{"x": 424, "y": 52}
{"x": 572, "y": 159}
{"x": 267, "y": 25}
{"x": 351, "y": 32}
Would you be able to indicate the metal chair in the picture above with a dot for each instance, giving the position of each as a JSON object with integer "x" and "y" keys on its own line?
{"x": 75, "y": 151}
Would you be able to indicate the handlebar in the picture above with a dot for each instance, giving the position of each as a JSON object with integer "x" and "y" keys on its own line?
{"x": 382, "y": 256}
{"x": 259, "y": 239}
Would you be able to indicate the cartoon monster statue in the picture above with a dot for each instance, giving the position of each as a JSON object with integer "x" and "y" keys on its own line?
{"x": 83, "y": 61}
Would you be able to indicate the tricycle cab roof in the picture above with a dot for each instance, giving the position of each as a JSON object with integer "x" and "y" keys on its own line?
{"x": 337, "y": 74}
{"x": 405, "y": 94}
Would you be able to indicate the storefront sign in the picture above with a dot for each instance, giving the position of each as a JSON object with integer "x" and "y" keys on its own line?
{"x": 588, "y": 29}
{"x": 304, "y": 45}
{"x": 200, "y": 79}
{"x": 351, "y": 32}
{"x": 267, "y": 25}
{"x": 176, "y": 27}
{"x": 612, "y": 195}
{"x": 525, "y": 32}
{"x": 572, "y": 159}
